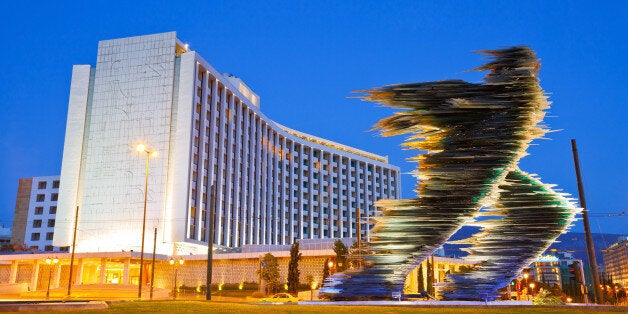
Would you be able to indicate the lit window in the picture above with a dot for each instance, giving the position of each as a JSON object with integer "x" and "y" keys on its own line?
{"x": 41, "y": 185}
{"x": 39, "y": 210}
{"x": 37, "y": 223}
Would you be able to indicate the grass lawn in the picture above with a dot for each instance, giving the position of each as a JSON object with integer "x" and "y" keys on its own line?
{"x": 228, "y": 307}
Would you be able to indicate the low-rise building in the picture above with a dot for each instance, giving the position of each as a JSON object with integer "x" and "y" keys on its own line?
{"x": 122, "y": 269}
{"x": 5, "y": 235}
{"x": 35, "y": 213}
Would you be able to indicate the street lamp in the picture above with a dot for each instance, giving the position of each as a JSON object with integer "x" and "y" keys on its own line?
{"x": 142, "y": 149}
{"x": 313, "y": 286}
{"x": 174, "y": 264}
{"x": 532, "y": 287}
{"x": 51, "y": 262}
{"x": 525, "y": 284}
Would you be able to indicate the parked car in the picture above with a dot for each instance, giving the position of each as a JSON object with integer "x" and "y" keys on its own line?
{"x": 280, "y": 297}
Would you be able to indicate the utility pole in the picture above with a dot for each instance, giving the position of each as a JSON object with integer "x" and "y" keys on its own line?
{"x": 152, "y": 268}
{"x": 357, "y": 220}
{"x": 587, "y": 230}
{"x": 73, "y": 247}
{"x": 210, "y": 241}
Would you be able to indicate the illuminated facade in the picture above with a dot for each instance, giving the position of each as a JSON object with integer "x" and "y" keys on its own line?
{"x": 26, "y": 274}
{"x": 546, "y": 269}
{"x": 35, "y": 213}
{"x": 216, "y": 152}
{"x": 616, "y": 261}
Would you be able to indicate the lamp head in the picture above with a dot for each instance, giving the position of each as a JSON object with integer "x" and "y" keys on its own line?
{"x": 141, "y": 148}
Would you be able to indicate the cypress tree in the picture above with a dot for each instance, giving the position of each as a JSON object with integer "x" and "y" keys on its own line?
{"x": 293, "y": 268}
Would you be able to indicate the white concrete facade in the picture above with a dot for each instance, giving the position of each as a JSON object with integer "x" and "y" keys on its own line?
{"x": 266, "y": 183}
{"x": 41, "y": 217}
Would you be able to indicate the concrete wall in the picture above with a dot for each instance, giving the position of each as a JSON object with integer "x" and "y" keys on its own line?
{"x": 20, "y": 215}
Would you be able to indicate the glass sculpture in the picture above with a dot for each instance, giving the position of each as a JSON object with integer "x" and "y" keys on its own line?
{"x": 473, "y": 136}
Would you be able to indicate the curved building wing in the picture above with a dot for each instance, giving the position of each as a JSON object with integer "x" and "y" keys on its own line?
{"x": 216, "y": 153}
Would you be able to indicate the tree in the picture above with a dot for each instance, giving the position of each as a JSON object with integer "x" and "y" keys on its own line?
{"x": 293, "y": 268}
{"x": 420, "y": 278}
{"x": 269, "y": 272}
{"x": 430, "y": 277}
{"x": 341, "y": 251}
{"x": 326, "y": 270}
{"x": 310, "y": 280}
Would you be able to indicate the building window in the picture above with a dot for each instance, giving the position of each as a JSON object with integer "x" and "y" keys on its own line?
{"x": 41, "y": 185}
{"x": 35, "y": 237}
{"x": 41, "y": 197}
{"x": 55, "y": 197}
{"x": 37, "y": 223}
{"x": 53, "y": 210}
{"x": 55, "y": 184}
{"x": 49, "y": 248}
{"x": 51, "y": 223}
{"x": 49, "y": 235}
{"x": 39, "y": 210}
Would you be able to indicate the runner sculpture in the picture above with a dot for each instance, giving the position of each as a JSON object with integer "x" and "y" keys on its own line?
{"x": 474, "y": 136}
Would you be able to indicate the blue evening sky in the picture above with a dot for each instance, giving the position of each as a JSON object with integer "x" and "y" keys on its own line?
{"x": 305, "y": 58}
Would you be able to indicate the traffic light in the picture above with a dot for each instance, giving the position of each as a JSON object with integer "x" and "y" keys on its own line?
{"x": 572, "y": 272}
{"x": 577, "y": 272}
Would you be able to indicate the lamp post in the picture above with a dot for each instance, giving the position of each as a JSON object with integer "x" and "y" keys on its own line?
{"x": 525, "y": 284}
{"x": 142, "y": 149}
{"x": 51, "y": 262}
{"x": 313, "y": 286}
{"x": 174, "y": 263}
{"x": 532, "y": 288}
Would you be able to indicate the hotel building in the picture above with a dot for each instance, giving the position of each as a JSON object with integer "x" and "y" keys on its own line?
{"x": 216, "y": 152}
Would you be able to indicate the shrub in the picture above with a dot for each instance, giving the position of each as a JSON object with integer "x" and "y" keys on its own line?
{"x": 257, "y": 294}
{"x": 545, "y": 298}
